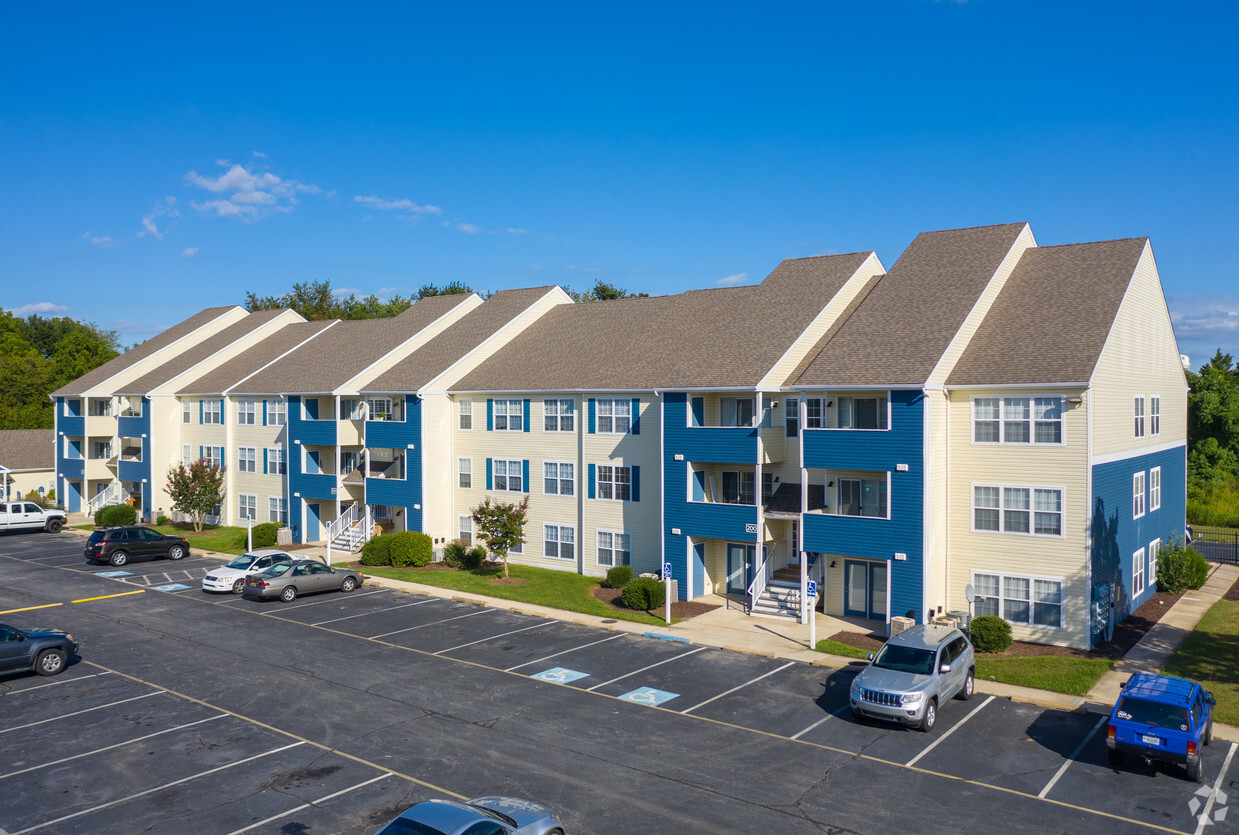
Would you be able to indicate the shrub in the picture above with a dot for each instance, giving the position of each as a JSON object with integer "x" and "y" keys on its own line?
{"x": 1180, "y": 567}
{"x": 473, "y": 557}
{"x": 264, "y": 534}
{"x": 454, "y": 553}
{"x": 990, "y": 633}
{"x": 618, "y": 577}
{"x": 377, "y": 551}
{"x": 644, "y": 594}
{"x": 163, "y": 521}
{"x": 115, "y": 514}
{"x": 411, "y": 548}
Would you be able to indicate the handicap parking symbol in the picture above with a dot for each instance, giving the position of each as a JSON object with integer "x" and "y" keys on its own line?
{"x": 648, "y": 696}
{"x": 113, "y": 573}
{"x": 559, "y": 675}
{"x": 170, "y": 587}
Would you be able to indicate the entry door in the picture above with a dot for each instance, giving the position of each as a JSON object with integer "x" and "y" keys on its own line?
{"x": 739, "y": 566}
{"x": 311, "y": 523}
{"x": 864, "y": 589}
{"x": 74, "y": 499}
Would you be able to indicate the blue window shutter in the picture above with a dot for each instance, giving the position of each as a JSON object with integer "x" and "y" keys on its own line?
{"x": 526, "y": 424}
{"x": 636, "y": 416}
{"x": 264, "y": 449}
{"x": 490, "y": 481}
{"x": 200, "y": 411}
{"x": 636, "y": 483}
{"x": 200, "y": 452}
{"x": 592, "y": 420}
{"x": 264, "y": 416}
{"x": 221, "y": 411}
{"x": 490, "y": 417}
{"x": 699, "y": 411}
{"x": 221, "y": 456}
{"x": 525, "y": 470}
{"x": 592, "y": 476}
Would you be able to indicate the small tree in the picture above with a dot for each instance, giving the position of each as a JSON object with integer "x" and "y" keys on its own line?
{"x": 501, "y": 526}
{"x": 196, "y": 489}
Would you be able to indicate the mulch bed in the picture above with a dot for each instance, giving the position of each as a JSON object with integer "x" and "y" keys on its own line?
{"x": 1233, "y": 592}
{"x": 1126, "y": 634}
{"x": 680, "y": 609}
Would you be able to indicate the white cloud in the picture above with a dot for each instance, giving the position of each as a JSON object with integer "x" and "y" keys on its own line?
{"x": 38, "y": 307}
{"x": 468, "y": 228}
{"x": 404, "y": 205}
{"x": 248, "y": 194}
{"x": 190, "y": 252}
{"x": 738, "y": 278}
{"x": 104, "y": 241}
{"x": 1205, "y": 323}
{"x": 515, "y": 231}
{"x": 345, "y": 291}
{"x": 149, "y": 228}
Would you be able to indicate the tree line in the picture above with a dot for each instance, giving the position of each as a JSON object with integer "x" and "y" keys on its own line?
{"x": 1213, "y": 442}
{"x": 38, "y": 356}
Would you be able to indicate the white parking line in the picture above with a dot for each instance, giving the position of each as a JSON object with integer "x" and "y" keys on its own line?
{"x": 1071, "y": 757}
{"x": 741, "y": 687}
{"x": 564, "y": 652}
{"x": 500, "y": 635}
{"x": 939, "y": 740}
{"x": 433, "y": 623}
{"x": 376, "y": 611}
{"x": 102, "y": 806}
{"x": 328, "y": 600}
{"x": 650, "y": 667}
{"x": 80, "y": 712}
{"x": 1203, "y": 819}
{"x": 834, "y": 712}
{"x": 110, "y": 747}
{"x": 12, "y": 693}
{"x": 311, "y": 803}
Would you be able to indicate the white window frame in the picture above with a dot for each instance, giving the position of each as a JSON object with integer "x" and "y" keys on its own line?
{"x": 277, "y": 412}
{"x": 186, "y": 411}
{"x": 508, "y": 464}
{"x": 740, "y": 492}
{"x": 1138, "y": 410}
{"x": 1155, "y": 414}
{"x": 464, "y": 414}
{"x": 1137, "y": 573}
{"x": 214, "y": 455}
{"x": 247, "y": 506}
{"x": 1007, "y": 492}
{"x": 502, "y": 410}
{"x": 1032, "y": 420}
{"x": 812, "y": 421}
{"x": 246, "y": 412}
{"x": 615, "y": 485}
{"x": 464, "y": 472}
{"x": 556, "y": 538}
{"x": 1033, "y": 602}
{"x": 614, "y": 542}
{"x": 464, "y": 525}
{"x": 791, "y": 417}
{"x": 558, "y": 478}
{"x": 731, "y": 405}
{"x": 1155, "y": 550}
{"x": 212, "y": 413}
{"x": 247, "y": 459}
{"x": 277, "y": 509}
{"x": 187, "y": 454}
{"x": 617, "y": 414}
{"x": 559, "y": 415}
{"x": 1155, "y": 488}
{"x": 882, "y": 412}
{"x": 1137, "y": 494}
{"x": 277, "y": 461}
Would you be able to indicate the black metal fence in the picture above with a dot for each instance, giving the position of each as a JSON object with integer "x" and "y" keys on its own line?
{"x": 1217, "y": 546}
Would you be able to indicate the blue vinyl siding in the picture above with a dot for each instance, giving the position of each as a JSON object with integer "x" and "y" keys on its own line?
{"x": 138, "y": 471}
{"x": 405, "y": 494}
{"x": 313, "y": 432}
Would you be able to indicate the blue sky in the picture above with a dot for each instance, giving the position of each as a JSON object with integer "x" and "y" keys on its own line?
{"x": 160, "y": 159}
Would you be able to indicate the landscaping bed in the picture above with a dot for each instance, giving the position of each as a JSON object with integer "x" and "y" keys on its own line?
{"x": 680, "y": 609}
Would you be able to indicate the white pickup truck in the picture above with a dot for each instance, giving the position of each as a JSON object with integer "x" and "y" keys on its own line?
{"x": 28, "y": 516}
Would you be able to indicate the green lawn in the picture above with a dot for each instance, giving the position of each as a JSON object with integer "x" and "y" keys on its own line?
{"x": 1210, "y": 655}
{"x": 544, "y": 587}
{"x": 228, "y": 540}
{"x": 836, "y": 648}
{"x": 1073, "y": 676}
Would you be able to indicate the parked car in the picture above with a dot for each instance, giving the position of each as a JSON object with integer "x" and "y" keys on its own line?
{"x": 231, "y": 577}
{"x": 28, "y": 516}
{"x": 1161, "y": 718}
{"x": 480, "y": 816}
{"x": 46, "y": 651}
{"x": 286, "y": 580}
{"x": 124, "y": 543}
{"x": 913, "y": 674}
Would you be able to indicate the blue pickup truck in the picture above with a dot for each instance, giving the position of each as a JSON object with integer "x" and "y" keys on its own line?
{"x": 1161, "y": 718}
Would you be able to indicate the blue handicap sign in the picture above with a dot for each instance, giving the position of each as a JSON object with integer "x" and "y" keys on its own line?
{"x": 559, "y": 675}
{"x": 170, "y": 587}
{"x": 113, "y": 573}
{"x": 648, "y": 696}
{"x": 666, "y": 571}
{"x": 813, "y": 588}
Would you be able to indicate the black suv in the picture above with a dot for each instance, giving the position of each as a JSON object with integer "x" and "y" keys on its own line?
{"x": 133, "y": 542}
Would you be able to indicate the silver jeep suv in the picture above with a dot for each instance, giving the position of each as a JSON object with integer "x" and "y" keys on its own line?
{"x": 913, "y": 673}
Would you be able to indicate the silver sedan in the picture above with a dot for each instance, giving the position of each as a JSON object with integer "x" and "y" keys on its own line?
{"x": 288, "y": 579}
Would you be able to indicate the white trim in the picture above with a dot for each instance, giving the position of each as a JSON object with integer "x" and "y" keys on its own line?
{"x": 1138, "y": 558}
{"x": 559, "y": 416}
{"x": 1032, "y": 508}
{"x": 1155, "y": 491}
{"x": 559, "y": 528}
{"x": 1032, "y": 587}
{"x": 459, "y": 413}
{"x": 559, "y": 479}
{"x": 1140, "y": 478}
{"x": 459, "y": 472}
{"x": 1032, "y": 421}
{"x": 1134, "y": 452}
{"x": 926, "y": 492}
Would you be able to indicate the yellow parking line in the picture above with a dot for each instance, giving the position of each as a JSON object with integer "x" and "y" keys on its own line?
{"x": 29, "y": 608}
{"x": 106, "y": 596}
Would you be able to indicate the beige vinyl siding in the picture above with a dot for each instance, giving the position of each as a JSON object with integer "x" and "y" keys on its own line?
{"x": 937, "y": 410}
{"x": 1140, "y": 357}
{"x": 384, "y": 364}
{"x": 165, "y": 449}
{"x": 438, "y": 441}
{"x": 256, "y": 483}
{"x": 1063, "y": 467}
{"x": 715, "y": 581}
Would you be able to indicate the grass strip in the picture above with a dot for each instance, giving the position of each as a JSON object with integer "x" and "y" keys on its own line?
{"x": 1073, "y": 676}
{"x": 1210, "y": 655}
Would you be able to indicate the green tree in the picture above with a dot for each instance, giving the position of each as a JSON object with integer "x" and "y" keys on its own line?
{"x": 196, "y": 489}
{"x": 501, "y": 526}
{"x": 603, "y": 292}
{"x": 452, "y": 289}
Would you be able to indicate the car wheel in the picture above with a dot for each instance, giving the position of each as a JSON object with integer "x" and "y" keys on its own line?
{"x": 931, "y": 716}
{"x": 289, "y": 594}
{"x": 965, "y": 692}
{"x": 176, "y": 552}
{"x": 50, "y": 662}
{"x": 118, "y": 558}
{"x": 1116, "y": 758}
{"x": 54, "y": 525}
{"x": 1196, "y": 770}
{"x": 349, "y": 584}
{"x": 238, "y": 586}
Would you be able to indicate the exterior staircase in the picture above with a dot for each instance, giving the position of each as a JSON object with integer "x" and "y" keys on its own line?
{"x": 781, "y": 597}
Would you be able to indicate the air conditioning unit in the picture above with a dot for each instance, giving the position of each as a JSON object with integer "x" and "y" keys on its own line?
{"x": 899, "y": 624}
{"x": 946, "y": 620}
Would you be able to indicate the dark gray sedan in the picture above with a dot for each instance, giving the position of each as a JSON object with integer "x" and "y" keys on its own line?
{"x": 288, "y": 579}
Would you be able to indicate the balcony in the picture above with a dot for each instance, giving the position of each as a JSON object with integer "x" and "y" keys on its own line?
{"x": 316, "y": 432}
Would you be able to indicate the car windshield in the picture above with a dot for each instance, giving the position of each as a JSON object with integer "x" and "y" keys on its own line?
{"x": 1148, "y": 712}
{"x": 276, "y": 570}
{"x": 905, "y": 659}
{"x": 242, "y": 561}
{"x": 96, "y": 537}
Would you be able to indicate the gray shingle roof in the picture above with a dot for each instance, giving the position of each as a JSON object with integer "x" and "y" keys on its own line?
{"x": 702, "y": 338}
{"x": 237, "y": 369}
{"x": 27, "y": 449}
{"x": 140, "y": 352}
{"x": 1050, "y": 322}
{"x": 900, "y": 331}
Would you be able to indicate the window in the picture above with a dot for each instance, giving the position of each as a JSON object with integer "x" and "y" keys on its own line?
{"x": 508, "y": 475}
{"x": 245, "y": 412}
{"x": 738, "y": 487}
{"x": 465, "y": 531}
{"x": 101, "y": 407}
{"x": 1137, "y": 495}
{"x": 1035, "y": 510}
{"x": 813, "y": 413}
{"x": 277, "y": 461}
{"x": 464, "y": 470}
{"x": 1137, "y": 573}
{"x": 614, "y": 416}
{"x": 614, "y": 548}
{"x": 101, "y": 449}
{"x": 735, "y": 411}
{"x": 1155, "y": 549}
{"x": 1139, "y": 414}
{"x": 559, "y": 542}
{"x": 1020, "y": 600}
{"x": 509, "y": 415}
{"x": 1155, "y": 488}
{"x": 351, "y": 408}
{"x": 862, "y": 412}
{"x": 862, "y": 497}
{"x": 614, "y": 483}
{"x": 277, "y": 412}
{"x": 558, "y": 478}
{"x": 985, "y": 420}
{"x": 791, "y": 416}
{"x": 1155, "y": 415}
{"x": 247, "y": 506}
{"x": 212, "y": 412}
{"x": 465, "y": 413}
{"x": 384, "y": 408}
{"x": 277, "y": 509}
{"x": 185, "y": 411}
{"x": 214, "y": 455}
{"x": 1017, "y": 420}
{"x": 558, "y": 415}
{"x": 767, "y": 484}
{"x": 187, "y": 456}
{"x": 247, "y": 459}
{"x": 350, "y": 459}
{"x": 133, "y": 407}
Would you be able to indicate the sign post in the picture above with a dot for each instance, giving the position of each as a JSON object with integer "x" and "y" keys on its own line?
{"x": 812, "y": 595}
{"x": 667, "y": 592}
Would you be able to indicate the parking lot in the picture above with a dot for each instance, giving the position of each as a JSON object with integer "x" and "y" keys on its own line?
{"x": 213, "y": 713}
